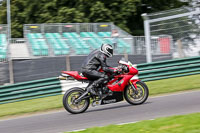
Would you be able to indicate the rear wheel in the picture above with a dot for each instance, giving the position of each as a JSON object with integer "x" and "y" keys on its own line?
{"x": 69, "y": 101}
{"x": 136, "y": 98}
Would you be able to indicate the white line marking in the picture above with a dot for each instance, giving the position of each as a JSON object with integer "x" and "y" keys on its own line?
{"x": 127, "y": 123}
{"x": 132, "y": 122}
{"x": 105, "y": 125}
{"x": 151, "y": 119}
{"x": 77, "y": 130}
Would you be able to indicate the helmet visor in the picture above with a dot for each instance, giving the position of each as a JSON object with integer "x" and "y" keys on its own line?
{"x": 110, "y": 51}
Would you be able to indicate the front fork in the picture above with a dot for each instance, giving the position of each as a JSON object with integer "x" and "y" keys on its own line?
{"x": 133, "y": 85}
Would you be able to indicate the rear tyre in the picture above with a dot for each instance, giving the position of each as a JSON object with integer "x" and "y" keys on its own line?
{"x": 69, "y": 101}
{"x": 136, "y": 99}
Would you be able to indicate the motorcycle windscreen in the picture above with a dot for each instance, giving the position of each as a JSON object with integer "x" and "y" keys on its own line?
{"x": 116, "y": 97}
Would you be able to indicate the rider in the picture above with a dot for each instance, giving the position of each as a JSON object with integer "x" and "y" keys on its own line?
{"x": 95, "y": 61}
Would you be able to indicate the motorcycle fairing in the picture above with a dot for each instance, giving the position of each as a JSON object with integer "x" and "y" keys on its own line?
{"x": 75, "y": 74}
{"x": 116, "y": 97}
{"x": 119, "y": 82}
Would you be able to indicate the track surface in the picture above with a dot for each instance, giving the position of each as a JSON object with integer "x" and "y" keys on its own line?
{"x": 175, "y": 104}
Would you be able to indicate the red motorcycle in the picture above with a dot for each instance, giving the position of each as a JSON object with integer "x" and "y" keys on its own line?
{"x": 123, "y": 85}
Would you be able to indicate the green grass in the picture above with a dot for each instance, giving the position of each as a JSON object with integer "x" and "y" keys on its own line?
{"x": 31, "y": 106}
{"x": 176, "y": 124}
{"x": 55, "y": 102}
{"x": 174, "y": 84}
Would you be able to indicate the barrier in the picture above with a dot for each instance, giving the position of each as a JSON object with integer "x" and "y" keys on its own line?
{"x": 52, "y": 86}
{"x": 169, "y": 69}
{"x": 30, "y": 90}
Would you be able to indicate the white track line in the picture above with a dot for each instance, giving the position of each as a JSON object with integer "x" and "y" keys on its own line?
{"x": 77, "y": 130}
{"x": 114, "y": 124}
{"x": 127, "y": 123}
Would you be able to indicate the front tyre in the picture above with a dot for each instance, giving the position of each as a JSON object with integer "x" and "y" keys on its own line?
{"x": 69, "y": 101}
{"x": 136, "y": 98}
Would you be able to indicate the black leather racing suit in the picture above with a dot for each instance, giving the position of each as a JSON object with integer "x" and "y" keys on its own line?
{"x": 91, "y": 66}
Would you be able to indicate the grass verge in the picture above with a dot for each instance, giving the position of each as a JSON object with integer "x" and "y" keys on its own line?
{"x": 175, "y": 124}
{"x": 55, "y": 102}
{"x": 174, "y": 85}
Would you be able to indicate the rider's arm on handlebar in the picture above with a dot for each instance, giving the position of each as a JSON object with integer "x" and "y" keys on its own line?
{"x": 104, "y": 66}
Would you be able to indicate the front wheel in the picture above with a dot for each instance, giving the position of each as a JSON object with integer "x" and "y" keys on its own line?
{"x": 136, "y": 98}
{"x": 69, "y": 101}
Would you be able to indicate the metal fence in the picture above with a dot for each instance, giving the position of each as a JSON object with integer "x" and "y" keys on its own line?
{"x": 4, "y": 54}
{"x": 3, "y": 29}
{"x": 72, "y": 27}
{"x": 59, "y": 45}
{"x": 4, "y": 50}
{"x": 160, "y": 44}
{"x": 20, "y": 48}
{"x": 182, "y": 26}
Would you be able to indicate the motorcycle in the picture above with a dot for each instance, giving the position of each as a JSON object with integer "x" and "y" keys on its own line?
{"x": 123, "y": 85}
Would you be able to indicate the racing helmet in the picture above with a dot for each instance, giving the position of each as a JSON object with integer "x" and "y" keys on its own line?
{"x": 107, "y": 50}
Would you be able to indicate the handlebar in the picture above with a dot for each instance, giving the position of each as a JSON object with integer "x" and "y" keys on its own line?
{"x": 123, "y": 68}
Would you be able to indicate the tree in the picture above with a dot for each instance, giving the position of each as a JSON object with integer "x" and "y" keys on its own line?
{"x": 99, "y": 13}
{"x": 124, "y": 13}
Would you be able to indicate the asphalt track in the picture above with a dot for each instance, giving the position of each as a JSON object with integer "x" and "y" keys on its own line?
{"x": 56, "y": 122}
